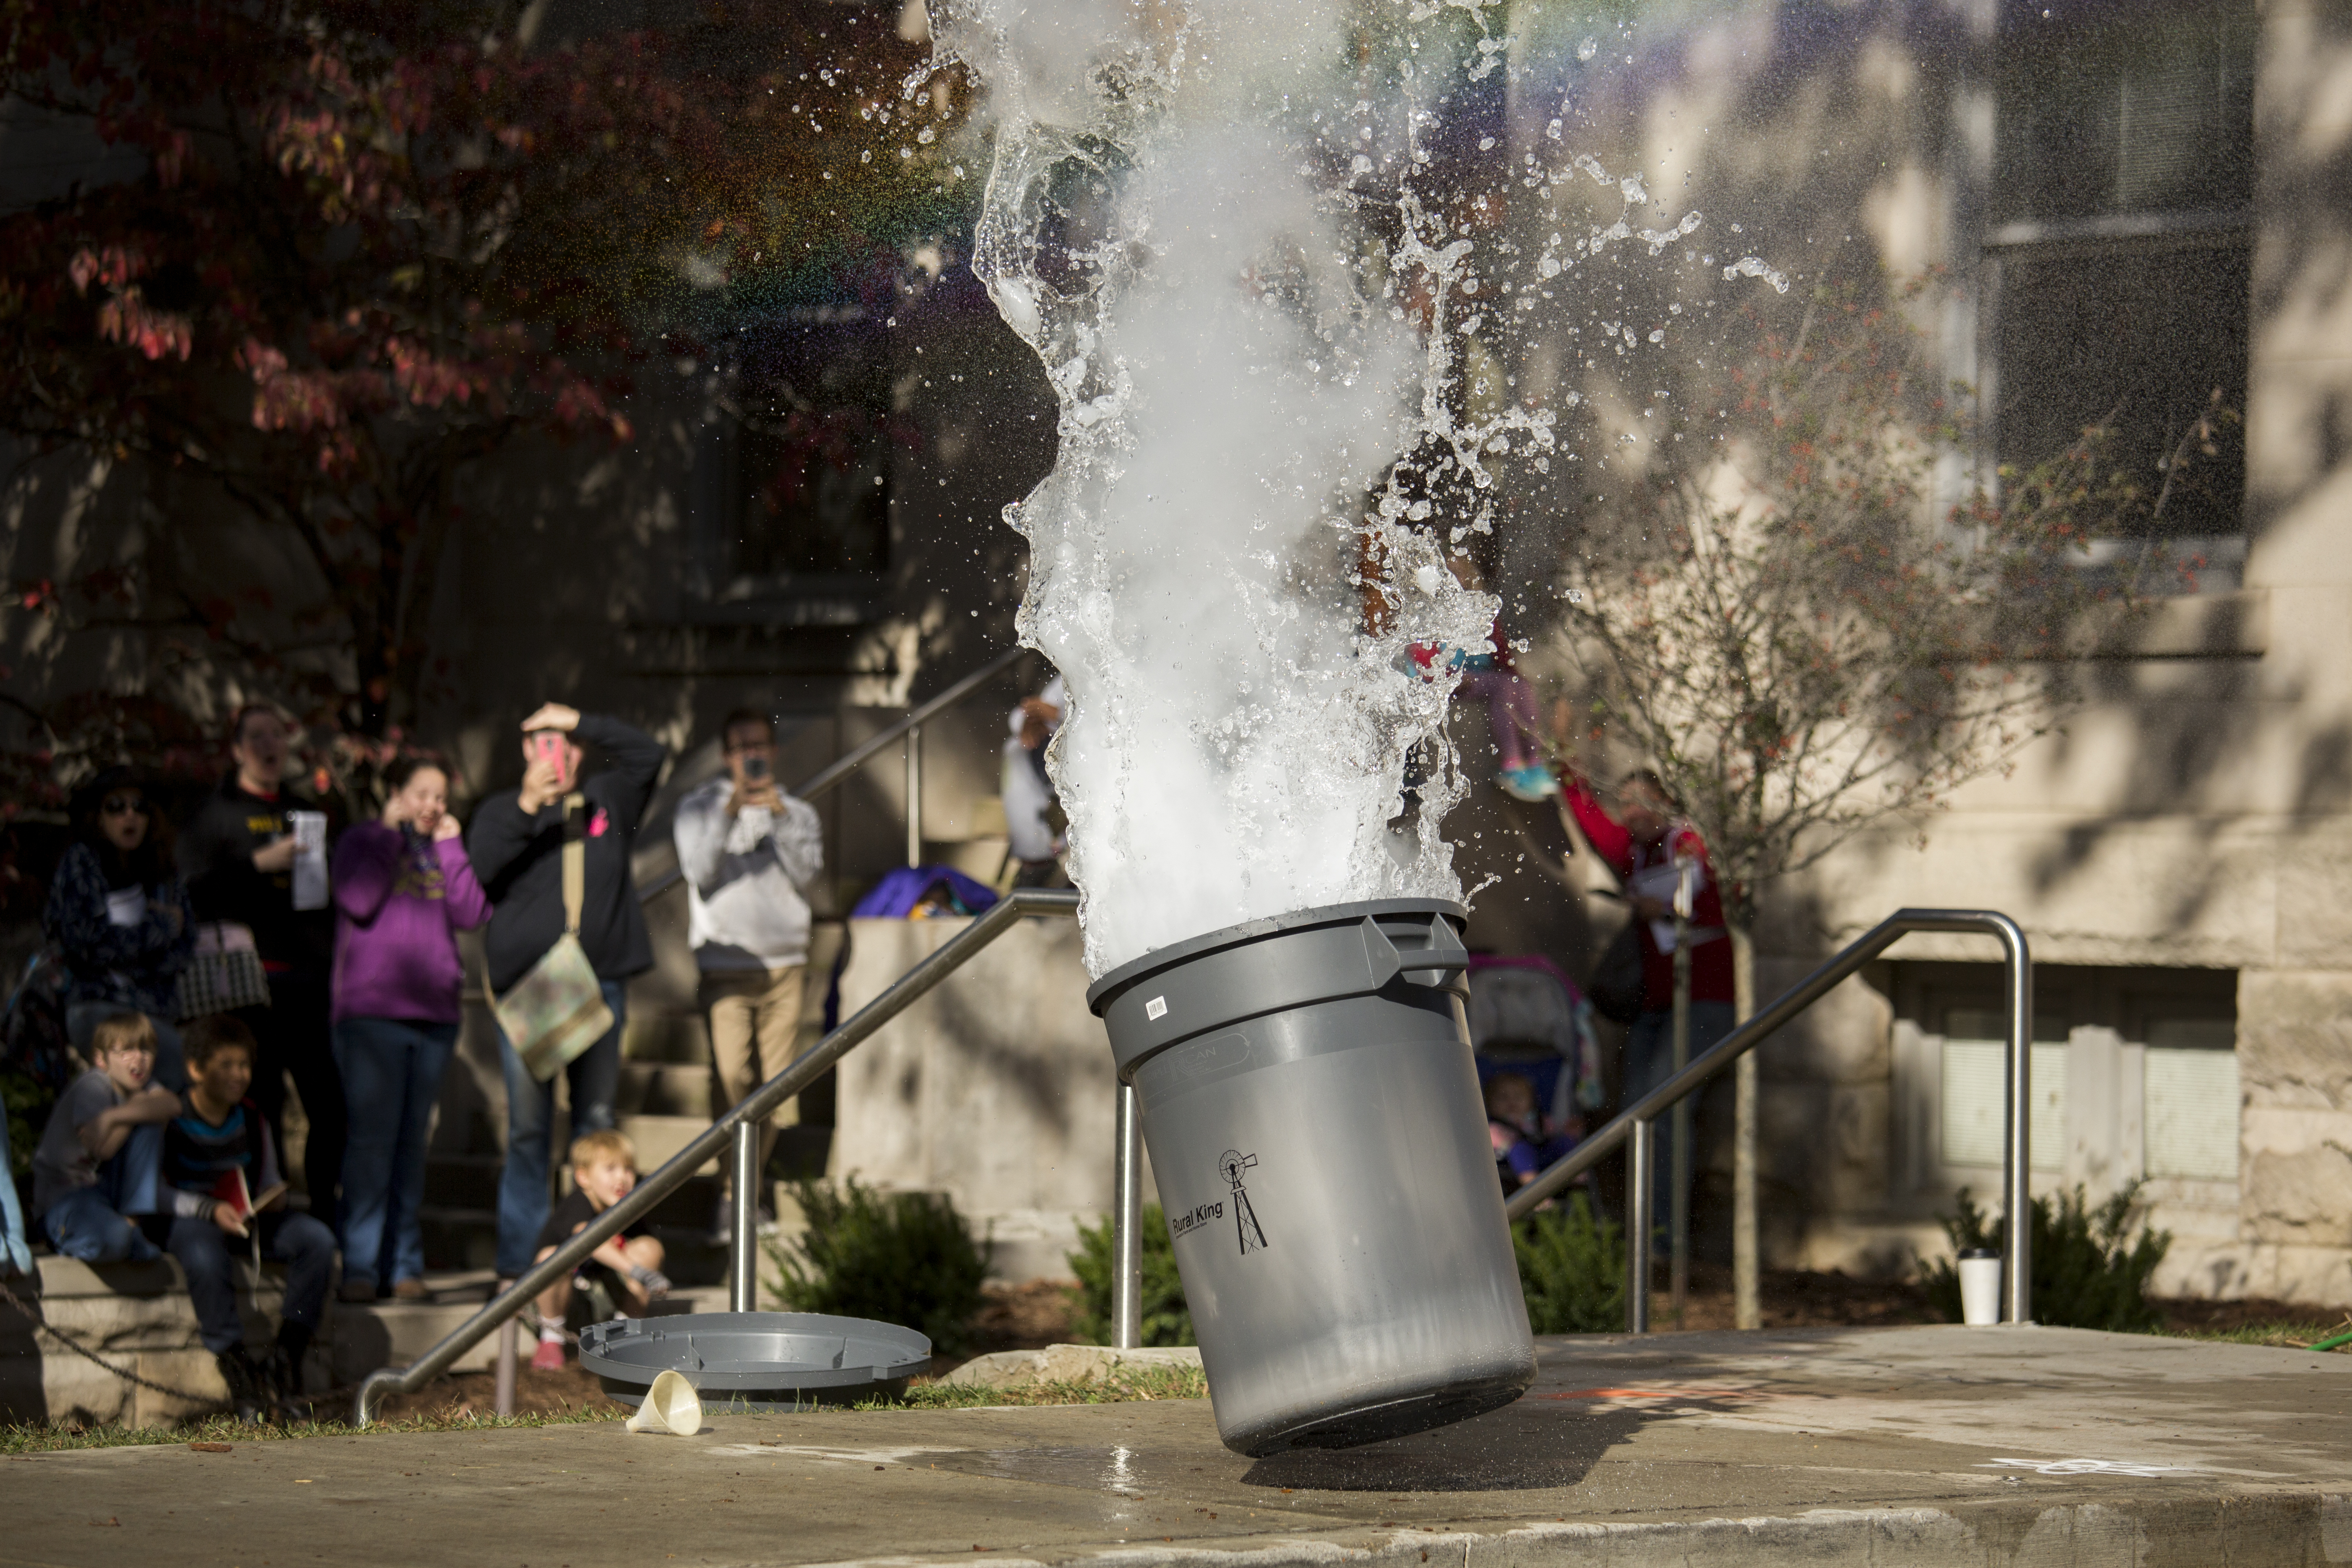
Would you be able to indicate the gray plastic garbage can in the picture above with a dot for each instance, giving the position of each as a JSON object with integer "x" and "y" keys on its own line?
{"x": 1320, "y": 1146}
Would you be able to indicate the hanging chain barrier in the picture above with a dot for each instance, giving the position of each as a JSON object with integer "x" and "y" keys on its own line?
{"x": 92, "y": 1356}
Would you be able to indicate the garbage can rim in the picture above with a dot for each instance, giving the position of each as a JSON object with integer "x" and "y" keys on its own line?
{"x": 1103, "y": 991}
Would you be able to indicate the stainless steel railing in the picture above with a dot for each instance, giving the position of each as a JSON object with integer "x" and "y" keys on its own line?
{"x": 1636, "y": 1128}
{"x": 739, "y": 1126}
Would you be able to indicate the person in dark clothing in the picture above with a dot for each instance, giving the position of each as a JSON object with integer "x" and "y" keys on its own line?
{"x": 254, "y": 855}
{"x": 516, "y": 843}
{"x": 119, "y": 913}
{"x": 220, "y": 1171}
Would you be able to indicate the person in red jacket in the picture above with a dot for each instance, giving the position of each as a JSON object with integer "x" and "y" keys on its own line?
{"x": 1647, "y": 842}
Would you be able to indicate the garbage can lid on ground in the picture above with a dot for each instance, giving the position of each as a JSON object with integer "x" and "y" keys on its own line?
{"x": 757, "y": 1361}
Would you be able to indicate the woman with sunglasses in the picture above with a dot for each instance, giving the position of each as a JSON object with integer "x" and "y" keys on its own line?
{"x": 120, "y": 914}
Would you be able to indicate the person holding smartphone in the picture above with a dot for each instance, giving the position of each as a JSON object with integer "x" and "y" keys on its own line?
{"x": 750, "y": 854}
{"x": 516, "y": 844}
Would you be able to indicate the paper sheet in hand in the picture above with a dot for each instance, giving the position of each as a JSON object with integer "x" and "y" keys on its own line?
{"x": 309, "y": 858}
{"x": 1657, "y": 882}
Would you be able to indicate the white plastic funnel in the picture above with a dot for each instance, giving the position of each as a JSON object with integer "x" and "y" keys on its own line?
{"x": 670, "y": 1405}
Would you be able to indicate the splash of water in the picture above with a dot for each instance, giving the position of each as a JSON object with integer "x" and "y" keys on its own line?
{"x": 1220, "y": 228}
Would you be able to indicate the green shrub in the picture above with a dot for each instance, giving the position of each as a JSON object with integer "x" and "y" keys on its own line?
{"x": 2086, "y": 1274}
{"x": 1166, "y": 1319}
{"x": 1572, "y": 1269}
{"x": 898, "y": 1257}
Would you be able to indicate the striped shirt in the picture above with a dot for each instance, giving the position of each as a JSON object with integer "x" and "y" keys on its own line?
{"x": 199, "y": 1155}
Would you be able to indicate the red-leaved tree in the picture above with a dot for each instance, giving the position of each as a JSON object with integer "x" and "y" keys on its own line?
{"x": 329, "y": 255}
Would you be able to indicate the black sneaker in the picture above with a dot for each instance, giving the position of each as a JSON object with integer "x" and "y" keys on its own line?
{"x": 281, "y": 1377}
{"x": 246, "y": 1393}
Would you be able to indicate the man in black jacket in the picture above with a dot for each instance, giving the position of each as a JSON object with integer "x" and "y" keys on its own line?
{"x": 516, "y": 843}
{"x": 237, "y": 856}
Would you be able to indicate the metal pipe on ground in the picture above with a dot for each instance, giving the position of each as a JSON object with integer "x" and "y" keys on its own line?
{"x": 502, "y": 1394}
{"x": 914, "y": 794}
{"x": 1126, "y": 1226}
{"x": 2018, "y": 961}
{"x": 752, "y": 1109}
{"x": 1641, "y": 1199}
{"x": 744, "y": 1241}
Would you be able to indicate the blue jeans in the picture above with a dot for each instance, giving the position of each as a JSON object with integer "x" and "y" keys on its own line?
{"x": 83, "y": 1019}
{"x": 1649, "y": 1062}
{"x": 524, "y": 1199}
{"x": 304, "y": 1244}
{"x": 392, "y": 1075}
{"x": 15, "y": 1255}
{"x": 88, "y": 1223}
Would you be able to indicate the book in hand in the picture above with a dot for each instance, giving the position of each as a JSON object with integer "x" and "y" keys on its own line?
{"x": 241, "y": 1200}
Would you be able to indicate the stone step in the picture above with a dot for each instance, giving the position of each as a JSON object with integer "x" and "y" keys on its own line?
{"x": 663, "y": 1088}
{"x": 678, "y": 1039}
{"x": 659, "y": 1138}
{"x": 458, "y": 1237}
{"x": 682, "y": 1038}
{"x": 462, "y": 1181}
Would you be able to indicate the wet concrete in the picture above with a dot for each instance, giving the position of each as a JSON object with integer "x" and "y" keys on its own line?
{"x": 1881, "y": 1446}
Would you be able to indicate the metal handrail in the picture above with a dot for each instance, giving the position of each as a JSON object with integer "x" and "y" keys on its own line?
{"x": 842, "y": 766}
{"x": 748, "y": 1112}
{"x": 1632, "y": 1127}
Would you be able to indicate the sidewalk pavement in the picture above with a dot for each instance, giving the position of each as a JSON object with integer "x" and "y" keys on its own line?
{"x": 1885, "y": 1446}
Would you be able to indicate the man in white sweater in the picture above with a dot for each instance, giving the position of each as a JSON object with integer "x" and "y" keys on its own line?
{"x": 749, "y": 853}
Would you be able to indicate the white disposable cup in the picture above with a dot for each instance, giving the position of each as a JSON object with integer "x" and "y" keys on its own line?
{"x": 1980, "y": 1291}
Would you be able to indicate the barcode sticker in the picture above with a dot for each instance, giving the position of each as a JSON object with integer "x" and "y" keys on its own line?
{"x": 1156, "y": 1008}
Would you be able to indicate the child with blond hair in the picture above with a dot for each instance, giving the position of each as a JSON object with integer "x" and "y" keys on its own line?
{"x": 627, "y": 1267}
{"x": 96, "y": 1163}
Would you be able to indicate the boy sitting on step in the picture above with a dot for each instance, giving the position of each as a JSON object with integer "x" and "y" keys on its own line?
{"x": 626, "y": 1268}
{"x": 220, "y": 1166}
{"x": 96, "y": 1163}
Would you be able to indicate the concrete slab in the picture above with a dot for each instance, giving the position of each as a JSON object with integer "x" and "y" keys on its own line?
{"x": 1890, "y": 1447}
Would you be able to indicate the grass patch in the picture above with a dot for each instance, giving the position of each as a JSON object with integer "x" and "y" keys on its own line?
{"x": 2287, "y": 1336}
{"x": 40, "y": 1438}
{"x": 1122, "y": 1383}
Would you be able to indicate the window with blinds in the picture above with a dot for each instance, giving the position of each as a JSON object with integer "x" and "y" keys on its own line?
{"x": 2110, "y": 111}
{"x": 2119, "y": 245}
{"x": 2191, "y": 1111}
{"x": 2188, "y": 1110}
{"x": 1976, "y": 1088}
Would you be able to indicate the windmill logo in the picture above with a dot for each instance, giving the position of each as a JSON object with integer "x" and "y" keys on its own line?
{"x": 1233, "y": 1165}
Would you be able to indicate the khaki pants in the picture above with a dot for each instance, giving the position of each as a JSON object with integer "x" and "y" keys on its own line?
{"x": 753, "y": 1008}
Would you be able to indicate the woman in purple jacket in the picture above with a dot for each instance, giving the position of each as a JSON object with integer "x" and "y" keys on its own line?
{"x": 403, "y": 888}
